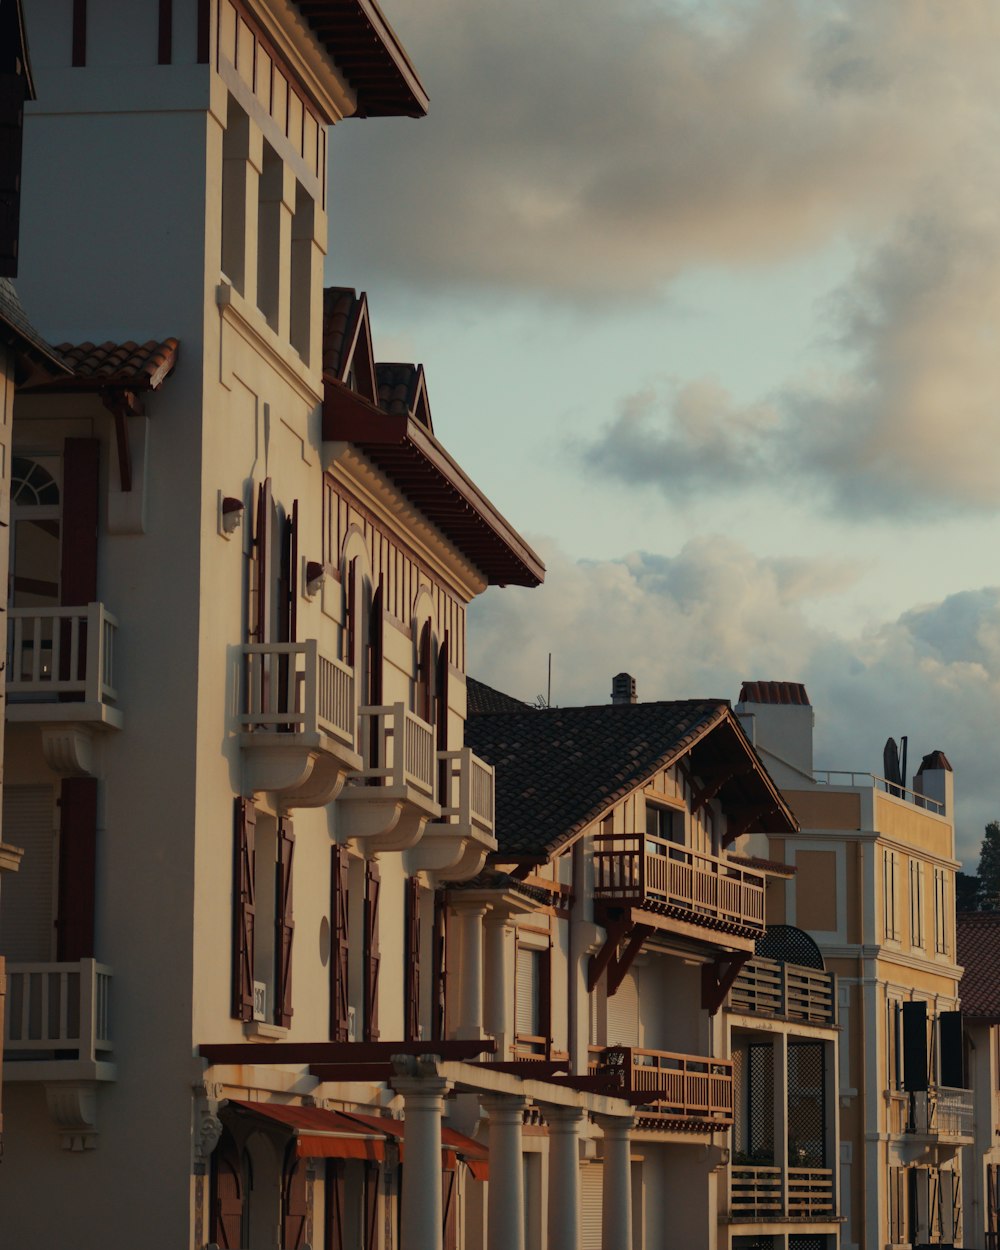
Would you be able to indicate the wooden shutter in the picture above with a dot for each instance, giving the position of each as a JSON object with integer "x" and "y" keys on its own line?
{"x": 952, "y": 1041}
{"x": 439, "y": 1018}
{"x": 334, "y": 1191}
{"x": 545, "y": 996}
{"x": 350, "y": 613}
{"x": 371, "y": 1206}
{"x": 376, "y": 646}
{"x": 13, "y": 88}
{"x": 226, "y": 1217}
{"x": 290, "y": 576}
{"x": 441, "y": 718}
{"x": 372, "y": 957}
{"x": 243, "y": 909}
{"x": 80, "y": 506}
{"x": 527, "y": 982}
{"x": 425, "y": 689}
{"x": 412, "y": 969}
{"x": 340, "y": 955}
{"x": 260, "y": 600}
{"x": 77, "y": 869}
{"x": 623, "y": 1014}
{"x": 449, "y": 1208}
{"x": 294, "y": 1202}
{"x": 284, "y": 924}
{"x": 915, "y": 1046}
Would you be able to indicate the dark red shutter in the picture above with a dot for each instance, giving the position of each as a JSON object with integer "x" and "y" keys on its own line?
{"x": 284, "y": 925}
{"x": 376, "y": 647}
{"x": 290, "y": 576}
{"x": 77, "y": 868}
{"x": 260, "y": 599}
{"x": 165, "y": 33}
{"x": 441, "y": 719}
{"x": 294, "y": 1202}
{"x": 340, "y": 954}
{"x": 350, "y": 613}
{"x": 372, "y": 957}
{"x": 449, "y": 1209}
{"x": 80, "y": 507}
{"x": 13, "y": 89}
{"x": 79, "y": 44}
{"x": 226, "y": 1217}
{"x": 412, "y": 968}
{"x": 545, "y": 997}
{"x": 243, "y": 909}
{"x": 371, "y": 1206}
{"x": 440, "y": 969}
{"x": 334, "y": 1190}
{"x": 425, "y": 689}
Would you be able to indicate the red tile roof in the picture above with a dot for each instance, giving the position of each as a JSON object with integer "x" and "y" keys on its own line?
{"x": 979, "y": 955}
{"x": 140, "y": 368}
{"x": 774, "y": 692}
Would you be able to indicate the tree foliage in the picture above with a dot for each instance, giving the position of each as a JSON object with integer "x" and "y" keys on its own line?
{"x": 989, "y": 868}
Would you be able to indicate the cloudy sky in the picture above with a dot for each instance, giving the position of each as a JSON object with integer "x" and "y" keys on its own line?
{"x": 708, "y": 295}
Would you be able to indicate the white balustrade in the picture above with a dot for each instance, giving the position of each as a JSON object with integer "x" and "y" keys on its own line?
{"x": 61, "y": 651}
{"x": 467, "y": 790}
{"x": 292, "y": 687}
{"x": 400, "y": 748}
{"x": 58, "y": 1007}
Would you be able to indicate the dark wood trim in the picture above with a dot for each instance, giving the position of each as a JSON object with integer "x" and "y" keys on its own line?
{"x": 204, "y": 31}
{"x": 165, "y": 34}
{"x": 338, "y": 1053}
{"x": 77, "y": 869}
{"x": 79, "y": 33}
{"x": 718, "y": 977}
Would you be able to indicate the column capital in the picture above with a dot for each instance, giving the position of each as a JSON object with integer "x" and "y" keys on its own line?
{"x": 421, "y": 1087}
{"x": 615, "y": 1126}
{"x": 504, "y": 1106}
{"x": 563, "y": 1119}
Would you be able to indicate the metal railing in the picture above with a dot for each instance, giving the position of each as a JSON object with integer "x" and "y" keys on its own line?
{"x": 58, "y": 1010}
{"x": 292, "y": 687}
{"x": 639, "y": 869}
{"x": 61, "y": 651}
{"x": 403, "y": 743}
{"x": 758, "y": 1194}
{"x": 466, "y": 789}
{"x": 670, "y": 1086}
{"x": 940, "y": 1111}
{"x": 767, "y": 987}
{"x": 872, "y": 781}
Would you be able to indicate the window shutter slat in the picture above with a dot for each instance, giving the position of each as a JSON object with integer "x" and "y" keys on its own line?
{"x": 372, "y": 957}
{"x": 340, "y": 955}
{"x": 284, "y": 924}
{"x": 243, "y": 909}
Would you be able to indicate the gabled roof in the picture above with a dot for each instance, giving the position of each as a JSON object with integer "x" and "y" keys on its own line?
{"x": 483, "y": 699}
{"x": 559, "y": 769}
{"x": 112, "y": 366}
{"x": 402, "y": 389}
{"x": 978, "y": 952}
{"x": 361, "y": 42}
{"x": 347, "y": 340}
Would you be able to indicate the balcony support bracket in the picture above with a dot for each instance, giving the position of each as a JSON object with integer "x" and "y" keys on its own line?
{"x": 740, "y": 822}
{"x": 712, "y": 788}
{"x": 612, "y": 957}
{"x": 73, "y": 1107}
{"x": 717, "y": 979}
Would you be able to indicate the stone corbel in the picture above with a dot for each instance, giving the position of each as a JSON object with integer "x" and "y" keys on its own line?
{"x": 69, "y": 750}
{"x": 207, "y": 1125}
{"x": 73, "y": 1107}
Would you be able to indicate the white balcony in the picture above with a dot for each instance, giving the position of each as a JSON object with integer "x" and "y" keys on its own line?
{"x": 391, "y": 799}
{"x": 298, "y": 725}
{"x": 61, "y": 666}
{"x": 940, "y": 1115}
{"x": 455, "y": 847}
{"x": 58, "y": 1022}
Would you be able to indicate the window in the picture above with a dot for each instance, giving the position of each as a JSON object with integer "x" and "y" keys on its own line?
{"x": 917, "y": 936}
{"x": 262, "y": 916}
{"x": 894, "y": 1065}
{"x": 531, "y": 1001}
{"x": 235, "y": 151}
{"x": 941, "y": 911}
{"x": 270, "y": 206}
{"x": 301, "y": 276}
{"x": 890, "y": 896}
{"x": 35, "y": 517}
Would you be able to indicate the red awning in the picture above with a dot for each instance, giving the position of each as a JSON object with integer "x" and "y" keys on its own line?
{"x": 323, "y": 1134}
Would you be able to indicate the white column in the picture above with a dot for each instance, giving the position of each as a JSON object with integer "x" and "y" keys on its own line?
{"x": 421, "y": 1222}
{"x": 505, "y": 1214}
{"x": 498, "y": 1002}
{"x": 616, "y": 1222}
{"x": 564, "y": 1177}
{"x": 470, "y": 1002}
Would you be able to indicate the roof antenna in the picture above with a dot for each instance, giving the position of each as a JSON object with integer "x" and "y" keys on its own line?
{"x": 543, "y": 702}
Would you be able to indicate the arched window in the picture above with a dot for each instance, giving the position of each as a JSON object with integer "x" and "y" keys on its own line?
{"x": 36, "y": 515}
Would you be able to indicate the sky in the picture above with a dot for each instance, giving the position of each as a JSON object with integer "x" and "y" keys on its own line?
{"x": 708, "y": 298}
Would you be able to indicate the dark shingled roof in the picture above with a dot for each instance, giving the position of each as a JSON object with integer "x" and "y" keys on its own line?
{"x": 18, "y": 330}
{"x": 341, "y": 309}
{"x": 934, "y": 761}
{"x": 484, "y": 700}
{"x": 558, "y": 769}
{"x": 979, "y": 954}
{"x": 774, "y": 692}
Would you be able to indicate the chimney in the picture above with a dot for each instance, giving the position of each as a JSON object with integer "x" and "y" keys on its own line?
{"x": 935, "y": 780}
{"x": 778, "y": 719}
{"x": 623, "y": 688}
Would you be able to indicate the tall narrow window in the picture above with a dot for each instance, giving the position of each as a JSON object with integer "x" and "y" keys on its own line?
{"x": 941, "y": 911}
{"x": 890, "y": 895}
{"x": 917, "y": 937}
{"x": 235, "y": 152}
{"x": 269, "y": 210}
{"x": 302, "y": 271}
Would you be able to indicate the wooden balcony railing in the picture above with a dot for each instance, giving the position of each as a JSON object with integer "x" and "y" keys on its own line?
{"x": 940, "y": 1111}
{"x": 403, "y": 745}
{"x": 61, "y": 652}
{"x": 466, "y": 789}
{"x": 58, "y": 1010}
{"x": 291, "y": 687}
{"x": 642, "y": 871}
{"x": 766, "y": 987}
{"x": 693, "y": 1091}
{"x": 761, "y": 1194}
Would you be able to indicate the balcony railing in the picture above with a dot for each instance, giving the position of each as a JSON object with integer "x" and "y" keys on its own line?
{"x": 58, "y": 1011}
{"x": 693, "y": 1091}
{"x": 61, "y": 653}
{"x": 761, "y": 1194}
{"x": 872, "y": 781}
{"x": 291, "y": 687}
{"x": 466, "y": 790}
{"x": 940, "y": 1111}
{"x": 403, "y": 746}
{"x": 642, "y": 871}
{"x": 769, "y": 988}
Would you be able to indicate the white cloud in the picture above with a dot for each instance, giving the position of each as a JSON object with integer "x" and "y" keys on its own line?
{"x": 699, "y": 623}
